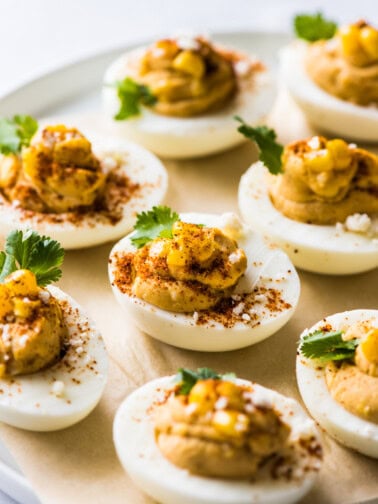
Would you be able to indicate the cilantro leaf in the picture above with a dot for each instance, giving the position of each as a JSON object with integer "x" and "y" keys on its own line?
{"x": 314, "y": 27}
{"x": 265, "y": 138}
{"x": 327, "y": 346}
{"x": 131, "y": 96}
{"x": 155, "y": 223}
{"x": 16, "y": 133}
{"x": 188, "y": 378}
{"x": 28, "y": 250}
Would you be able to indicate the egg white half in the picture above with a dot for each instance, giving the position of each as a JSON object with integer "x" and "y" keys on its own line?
{"x": 66, "y": 392}
{"x": 267, "y": 267}
{"x": 141, "y": 167}
{"x": 339, "y": 423}
{"x": 321, "y": 249}
{"x": 188, "y": 137}
{"x": 323, "y": 110}
{"x": 133, "y": 434}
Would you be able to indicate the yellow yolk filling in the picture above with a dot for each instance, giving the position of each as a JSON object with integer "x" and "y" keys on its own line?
{"x": 31, "y": 325}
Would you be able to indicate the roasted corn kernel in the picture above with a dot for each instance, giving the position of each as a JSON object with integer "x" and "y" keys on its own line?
{"x": 230, "y": 423}
{"x": 190, "y": 63}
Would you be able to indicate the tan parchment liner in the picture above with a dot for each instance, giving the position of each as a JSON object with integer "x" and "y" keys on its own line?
{"x": 79, "y": 464}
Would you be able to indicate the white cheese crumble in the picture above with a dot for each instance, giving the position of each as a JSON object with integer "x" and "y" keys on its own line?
{"x": 44, "y": 296}
{"x": 358, "y": 223}
{"x": 234, "y": 257}
{"x": 238, "y": 309}
{"x": 314, "y": 143}
{"x": 58, "y": 388}
{"x": 187, "y": 42}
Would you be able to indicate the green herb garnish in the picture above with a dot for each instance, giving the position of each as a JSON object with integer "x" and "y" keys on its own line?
{"x": 16, "y": 133}
{"x": 28, "y": 250}
{"x": 314, "y": 27}
{"x": 327, "y": 346}
{"x": 131, "y": 96}
{"x": 270, "y": 151}
{"x": 188, "y": 378}
{"x": 156, "y": 223}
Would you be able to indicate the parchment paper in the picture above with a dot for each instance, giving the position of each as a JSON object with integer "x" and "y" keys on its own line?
{"x": 79, "y": 464}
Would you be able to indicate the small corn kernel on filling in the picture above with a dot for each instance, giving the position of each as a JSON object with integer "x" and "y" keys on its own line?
{"x": 355, "y": 384}
{"x": 359, "y": 43}
{"x": 347, "y": 65}
{"x": 31, "y": 325}
{"x": 194, "y": 270}
{"x": 57, "y": 173}
{"x": 219, "y": 413}
{"x": 325, "y": 181}
{"x": 187, "y": 81}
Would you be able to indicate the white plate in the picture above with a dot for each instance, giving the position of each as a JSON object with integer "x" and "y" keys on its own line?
{"x": 75, "y": 89}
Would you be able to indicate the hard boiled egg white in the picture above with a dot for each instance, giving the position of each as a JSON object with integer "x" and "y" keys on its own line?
{"x": 174, "y": 137}
{"x": 323, "y": 110}
{"x": 321, "y": 249}
{"x": 66, "y": 392}
{"x": 148, "y": 182}
{"x": 345, "y": 427}
{"x": 270, "y": 280}
{"x": 133, "y": 433}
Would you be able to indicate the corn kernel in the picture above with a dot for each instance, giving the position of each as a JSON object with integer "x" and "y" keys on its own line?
{"x": 232, "y": 393}
{"x": 340, "y": 153}
{"x": 369, "y": 346}
{"x": 189, "y": 62}
{"x": 319, "y": 160}
{"x": 369, "y": 41}
{"x": 350, "y": 40}
{"x": 231, "y": 423}
{"x": 6, "y": 305}
{"x": 24, "y": 308}
{"x": 203, "y": 394}
{"x": 22, "y": 283}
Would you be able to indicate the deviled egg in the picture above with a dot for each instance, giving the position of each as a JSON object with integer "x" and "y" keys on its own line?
{"x": 53, "y": 362}
{"x": 55, "y": 183}
{"x": 178, "y": 96}
{"x": 335, "y": 81}
{"x": 320, "y": 206}
{"x": 203, "y": 438}
{"x": 337, "y": 373}
{"x": 202, "y": 281}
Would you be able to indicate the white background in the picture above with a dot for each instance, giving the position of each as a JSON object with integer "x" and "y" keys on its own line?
{"x": 37, "y": 36}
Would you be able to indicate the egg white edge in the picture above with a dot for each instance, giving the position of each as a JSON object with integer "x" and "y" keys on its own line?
{"x": 351, "y": 430}
{"x": 336, "y": 251}
{"x": 141, "y": 458}
{"x": 180, "y": 329}
{"x": 174, "y": 137}
{"x": 145, "y": 168}
{"x": 15, "y": 411}
{"x": 322, "y": 109}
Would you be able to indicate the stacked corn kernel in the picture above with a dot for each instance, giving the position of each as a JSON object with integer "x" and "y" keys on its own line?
{"x": 359, "y": 43}
{"x": 19, "y": 295}
{"x": 230, "y": 419}
{"x": 367, "y": 353}
{"x": 335, "y": 155}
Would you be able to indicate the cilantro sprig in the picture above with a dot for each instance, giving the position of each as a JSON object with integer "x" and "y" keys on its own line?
{"x": 16, "y": 133}
{"x": 131, "y": 96}
{"x": 270, "y": 151}
{"x": 156, "y": 223}
{"x": 327, "y": 346}
{"x": 312, "y": 27}
{"x": 28, "y": 250}
{"x": 187, "y": 378}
